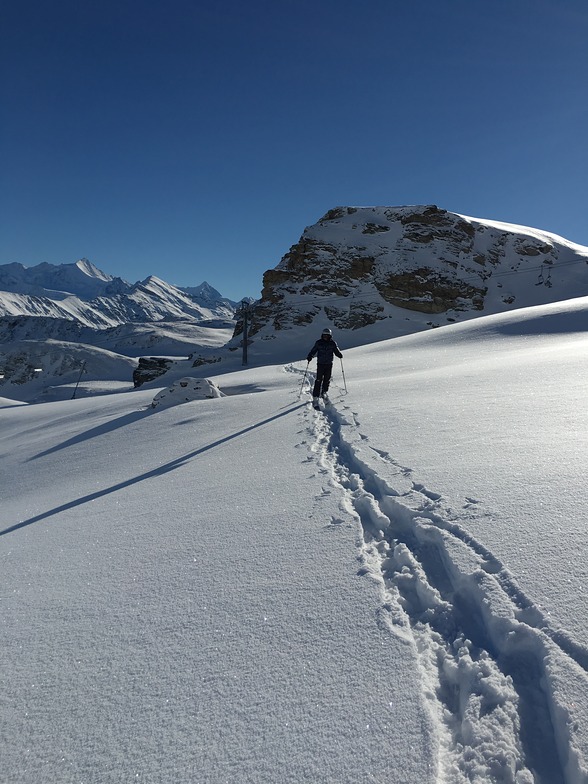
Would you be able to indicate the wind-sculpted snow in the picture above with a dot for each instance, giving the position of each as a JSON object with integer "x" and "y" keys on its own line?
{"x": 491, "y": 664}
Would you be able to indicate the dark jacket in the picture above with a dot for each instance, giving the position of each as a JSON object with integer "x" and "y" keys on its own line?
{"x": 324, "y": 350}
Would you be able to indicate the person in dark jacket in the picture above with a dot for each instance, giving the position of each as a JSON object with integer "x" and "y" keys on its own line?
{"x": 324, "y": 348}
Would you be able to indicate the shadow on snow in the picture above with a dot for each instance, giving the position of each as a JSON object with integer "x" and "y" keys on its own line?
{"x": 160, "y": 471}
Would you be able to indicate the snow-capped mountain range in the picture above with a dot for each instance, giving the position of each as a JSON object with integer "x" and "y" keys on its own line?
{"x": 59, "y": 321}
{"x": 82, "y": 293}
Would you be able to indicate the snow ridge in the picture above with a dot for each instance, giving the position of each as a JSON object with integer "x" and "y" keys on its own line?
{"x": 489, "y": 659}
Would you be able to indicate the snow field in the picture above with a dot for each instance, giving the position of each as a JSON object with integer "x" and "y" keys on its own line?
{"x": 243, "y": 589}
{"x": 179, "y": 604}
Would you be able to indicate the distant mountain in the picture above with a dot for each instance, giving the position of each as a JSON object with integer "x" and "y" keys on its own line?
{"x": 378, "y": 272}
{"x": 83, "y": 293}
{"x": 55, "y": 318}
{"x": 59, "y": 281}
{"x": 208, "y": 297}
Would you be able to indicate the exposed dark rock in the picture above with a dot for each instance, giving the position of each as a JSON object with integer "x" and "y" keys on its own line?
{"x": 200, "y": 360}
{"x": 429, "y": 292}
{"x": 374, "y": 228}
{"x": 150, "y": 368}
{"x": 17, "y": 369}
{"x": 528, "y": 248}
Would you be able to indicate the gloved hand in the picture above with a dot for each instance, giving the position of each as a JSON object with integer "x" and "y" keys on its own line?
{"x": 308, "y": 359}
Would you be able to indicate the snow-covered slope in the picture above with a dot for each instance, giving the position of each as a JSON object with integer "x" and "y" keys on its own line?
{"x": 406, "y": 269}
{"x": 51, "y": 369}
{"x": 391, "y": 590}
{"x": 178, "y": 337}
{"x": 34, "y": 370}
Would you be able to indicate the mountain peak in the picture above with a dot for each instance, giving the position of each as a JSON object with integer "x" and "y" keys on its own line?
{"x": 89, "y": 269}
{"x": 207, "y": 296}
{"x": 404, "y": 269}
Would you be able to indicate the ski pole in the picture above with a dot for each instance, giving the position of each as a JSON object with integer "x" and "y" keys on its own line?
{"x": 343, "y": 372}
{"x": 303, "y": 380}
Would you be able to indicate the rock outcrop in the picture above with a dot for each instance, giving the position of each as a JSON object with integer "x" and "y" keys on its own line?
{"x": 412, "y": 267}
{"x": 185, "y": 390}
{"x": 150, "y": 368}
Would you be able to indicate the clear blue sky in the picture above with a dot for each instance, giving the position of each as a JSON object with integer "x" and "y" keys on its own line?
{"x": 195, "y": 140}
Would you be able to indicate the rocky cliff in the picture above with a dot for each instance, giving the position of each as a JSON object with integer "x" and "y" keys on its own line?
{"x": 409, "y": 268}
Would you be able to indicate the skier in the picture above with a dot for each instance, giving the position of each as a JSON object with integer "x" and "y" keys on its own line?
{"x": 324, "y": 348}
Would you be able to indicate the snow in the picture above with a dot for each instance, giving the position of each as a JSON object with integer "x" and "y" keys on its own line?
{"x": 544, "y": 236}
{"x": 82, "y": 278}
{"x": 82, "y": 293}
{"x": 52, "y": 369}
{"x": 241, "y": 589}
{"x": 5, "y": 402}
{"x": 186, "y": 390}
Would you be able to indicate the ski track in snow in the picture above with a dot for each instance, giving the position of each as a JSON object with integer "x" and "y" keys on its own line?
{"x": 483, "y": 647}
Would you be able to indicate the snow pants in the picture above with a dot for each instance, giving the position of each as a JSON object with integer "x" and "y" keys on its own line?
{"x": 323, "y": 378}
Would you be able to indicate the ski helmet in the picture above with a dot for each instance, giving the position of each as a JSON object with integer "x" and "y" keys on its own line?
{"x": 327, "y": 331}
